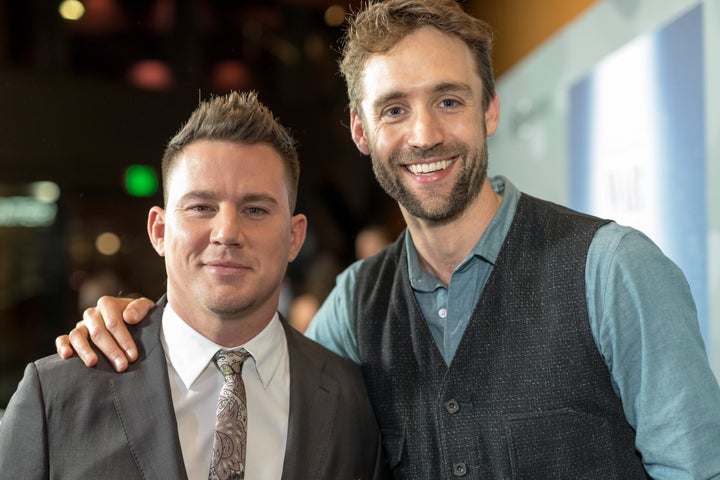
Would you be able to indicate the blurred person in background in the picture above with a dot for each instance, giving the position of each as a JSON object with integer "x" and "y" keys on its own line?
{"x": 370, "y": 240}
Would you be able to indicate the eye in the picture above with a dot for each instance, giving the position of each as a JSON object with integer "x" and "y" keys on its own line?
{"x": 256, "y": 211}
{"x": 199, "y": 208}
{"x": 393, "y": 112}
{"x": 449, "y": 103}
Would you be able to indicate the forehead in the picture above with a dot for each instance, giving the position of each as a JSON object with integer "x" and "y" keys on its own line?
{"x": 420, "y": 61}
{"x": 228, "y": 166}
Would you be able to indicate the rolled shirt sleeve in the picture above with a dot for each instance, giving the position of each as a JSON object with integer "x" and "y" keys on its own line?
{"x": 645, "y": 323}
{"x": 334, "y": 324}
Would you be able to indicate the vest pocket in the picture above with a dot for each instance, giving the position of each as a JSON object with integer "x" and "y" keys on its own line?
{"x": 560, "y": 444}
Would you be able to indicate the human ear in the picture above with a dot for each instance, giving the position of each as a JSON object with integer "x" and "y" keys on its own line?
{"x": 298, "y": 229}
{"x": 156, "y": 229}
{"x": 358, "y": 133}
{"x": 492, "y": 115}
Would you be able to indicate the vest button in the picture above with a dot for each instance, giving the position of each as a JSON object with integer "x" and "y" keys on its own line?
{"x": 459, "y": 469}
{"x": 452, "y": 406}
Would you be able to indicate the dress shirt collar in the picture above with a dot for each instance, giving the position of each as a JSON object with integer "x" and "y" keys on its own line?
{"x": 190, "y": 353}
{"x": 487, "y": 248}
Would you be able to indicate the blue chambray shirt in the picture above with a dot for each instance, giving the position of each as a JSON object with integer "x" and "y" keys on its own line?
{"x": 642, "y": 317}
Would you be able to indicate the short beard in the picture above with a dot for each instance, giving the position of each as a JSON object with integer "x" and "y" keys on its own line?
{"x": 435, "y": 208}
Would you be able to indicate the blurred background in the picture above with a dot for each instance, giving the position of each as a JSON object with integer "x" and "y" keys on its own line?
{"x": 91, "y": 90}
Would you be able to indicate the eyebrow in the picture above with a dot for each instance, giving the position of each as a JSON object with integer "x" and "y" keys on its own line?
{"x": 453, "y": 87}
{"x": 209, "y": 195}
{"x": 443, "y": 87}
{"x": 197, "y": 194}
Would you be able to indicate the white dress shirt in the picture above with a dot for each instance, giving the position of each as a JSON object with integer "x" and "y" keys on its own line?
{"x": 195, "y": 384}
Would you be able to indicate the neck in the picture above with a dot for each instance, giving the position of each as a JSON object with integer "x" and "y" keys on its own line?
{"x": 225, "y": 329}
{"x": 442, "y": 246}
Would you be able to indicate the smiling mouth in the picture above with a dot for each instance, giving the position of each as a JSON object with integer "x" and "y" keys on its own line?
{"x": 420, "y": 168}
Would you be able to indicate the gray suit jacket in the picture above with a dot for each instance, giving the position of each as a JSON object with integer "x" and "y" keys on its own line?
{"x": 66, "y": 421}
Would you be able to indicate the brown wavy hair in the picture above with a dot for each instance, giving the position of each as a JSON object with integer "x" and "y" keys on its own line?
{"x": 380, "y": 25}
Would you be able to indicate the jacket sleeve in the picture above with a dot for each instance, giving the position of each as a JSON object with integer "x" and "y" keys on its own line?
{"x": 23, "y": 432}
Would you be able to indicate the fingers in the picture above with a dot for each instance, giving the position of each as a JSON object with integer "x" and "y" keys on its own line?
{"x": 108, "y": 331}
{"x": 78, "y": 337}
{"x": 94, "y": 326}
{"x": 137, "y": 310}
{"x": 62, "y": 345}
{"x": 105, "y": 327}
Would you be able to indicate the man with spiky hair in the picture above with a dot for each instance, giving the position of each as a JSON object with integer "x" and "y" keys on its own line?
{"x": 223, "y": 388}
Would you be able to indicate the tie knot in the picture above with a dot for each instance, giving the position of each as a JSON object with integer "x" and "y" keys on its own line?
{"x": 229, "y": 362}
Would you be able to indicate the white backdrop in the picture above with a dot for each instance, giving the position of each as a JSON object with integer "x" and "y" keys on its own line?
{"x": 531, "y": 146}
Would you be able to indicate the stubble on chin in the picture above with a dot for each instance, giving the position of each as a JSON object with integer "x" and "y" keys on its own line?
{"x": 229, "y": 309}
{"x": 435, "y": 207}
{"x": 224, "y": 303}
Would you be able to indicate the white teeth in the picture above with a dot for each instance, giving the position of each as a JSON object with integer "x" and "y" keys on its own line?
{"x": 429, "y": 167}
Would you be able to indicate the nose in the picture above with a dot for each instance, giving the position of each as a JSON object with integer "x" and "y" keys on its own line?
{"x": 227, "y": 228}
{"x": 425, "y": 130}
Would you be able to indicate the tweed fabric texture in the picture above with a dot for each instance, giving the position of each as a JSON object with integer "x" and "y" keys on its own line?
{"x": 527, "y": 394}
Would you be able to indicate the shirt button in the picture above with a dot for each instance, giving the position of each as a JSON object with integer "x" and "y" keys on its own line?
{"x": 459, "y": 469}
{"x": 452, "y": 406}
{"x": 442, "y": 312}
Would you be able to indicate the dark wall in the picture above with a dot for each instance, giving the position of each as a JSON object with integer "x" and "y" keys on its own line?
{"x": 82, "y": 132}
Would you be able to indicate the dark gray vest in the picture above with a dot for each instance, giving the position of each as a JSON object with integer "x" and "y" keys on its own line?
{"x": 527, "y": 395}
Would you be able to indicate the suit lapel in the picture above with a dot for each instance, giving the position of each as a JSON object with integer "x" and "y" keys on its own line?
{"x": 144, "y": 405}
{"x": 313, "y": 406}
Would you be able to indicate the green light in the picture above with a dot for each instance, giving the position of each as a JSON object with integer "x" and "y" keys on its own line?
{"x": 140, "y": 181}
